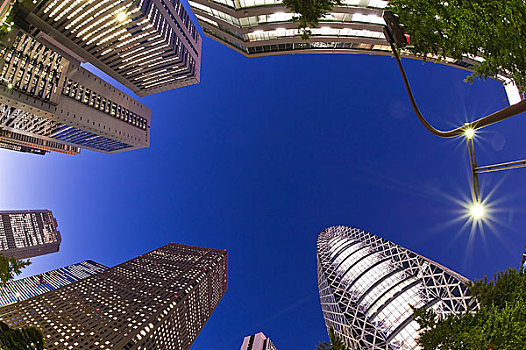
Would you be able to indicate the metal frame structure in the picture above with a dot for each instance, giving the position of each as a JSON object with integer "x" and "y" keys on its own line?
{"x": 368, "y": 286}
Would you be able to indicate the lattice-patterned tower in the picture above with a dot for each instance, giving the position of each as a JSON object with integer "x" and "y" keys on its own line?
{"x": 159, "y": 300}
{"x": 368, "y": 284}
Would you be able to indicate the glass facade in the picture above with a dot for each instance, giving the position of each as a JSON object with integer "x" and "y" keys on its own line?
{"x": 88, "y": 139}
{"x": 368, "y": 284}
{"x": 266, "y": 27}
{"x": 158, "y": 300}
{"x": 26, "y": 234}
{"x": 25, "y": 288}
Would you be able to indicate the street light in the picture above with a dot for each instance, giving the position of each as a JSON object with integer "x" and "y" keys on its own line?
{"x": 394, "y": 29}
{"x": 469, "y": 133}
{"x": 393, "y": 33}
{"x": 477, "y": 211}
{"x": 477, "y": 124}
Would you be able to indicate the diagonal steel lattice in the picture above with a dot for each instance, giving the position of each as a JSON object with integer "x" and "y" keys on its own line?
{"x": 368, "y": 284}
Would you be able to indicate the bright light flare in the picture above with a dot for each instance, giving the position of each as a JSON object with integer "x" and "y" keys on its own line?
{"x": 469, "y": 133}
{"x": 9, "y": 86}
{"x": 121, "y": 16}
{"x": 477, "y": 211}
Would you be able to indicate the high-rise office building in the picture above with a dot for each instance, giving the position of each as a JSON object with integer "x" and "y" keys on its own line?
{"x": 368, "y": 284}
{"x": 258, "y": 28}
{"x": 29, "y": 233}
{"x": 158, "y": 300}
{"x": 265, "y": 27}
{"x": 25, "y": 288}
{"x": 257, "y": 341}
{"x": 48, "y": 101}
{"x": 147, "y": 45}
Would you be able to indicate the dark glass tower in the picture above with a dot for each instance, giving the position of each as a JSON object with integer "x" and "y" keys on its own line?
{"x": 29, "y": 233}
{"x": 159, "y": 300}
{"x": 368, "y": 285}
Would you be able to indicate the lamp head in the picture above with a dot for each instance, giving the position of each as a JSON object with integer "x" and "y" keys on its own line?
{"x": 469, "y": 133}
{"x": 477, "y": 211}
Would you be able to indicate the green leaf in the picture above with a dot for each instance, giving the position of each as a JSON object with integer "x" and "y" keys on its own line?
{"x": 491, "y": 29}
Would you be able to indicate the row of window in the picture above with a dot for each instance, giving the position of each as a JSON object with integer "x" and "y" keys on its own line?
{"x": 93, "y": 99}
{"x": 31, "y": 67}
{"x": 47, "y": 144}
{"x": 21, "y": 148}
{"x": 187, "y": 22}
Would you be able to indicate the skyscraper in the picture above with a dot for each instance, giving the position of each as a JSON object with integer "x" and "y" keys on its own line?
{"x": 147, "y": 45}
{"x": 49, "y": 102}
{"x": 256, "y": 28}
{"x": 159, "y": 300}
{"x": 368, "y": 284}
{"x": 29, "y": 287}
{"x": 29, "y": 233}
{"x": 257, "y": 341}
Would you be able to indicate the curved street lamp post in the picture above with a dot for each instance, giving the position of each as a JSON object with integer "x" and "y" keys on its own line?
{"x": 396, "y": 38}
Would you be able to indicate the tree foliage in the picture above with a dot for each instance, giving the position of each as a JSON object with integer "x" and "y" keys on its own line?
{"x": 11, "y": 267}
{"x": 11, "y": 17}
{"x": 336, "y": 342}
{"x": 492, "y": 29}
{"x": 28, "y": 338}
{"x": 310, "y": 11}
{"x": 499, "y": 324}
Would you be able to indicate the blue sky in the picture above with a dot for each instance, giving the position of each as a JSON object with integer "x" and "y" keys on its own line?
{"x": 262, "y": 156}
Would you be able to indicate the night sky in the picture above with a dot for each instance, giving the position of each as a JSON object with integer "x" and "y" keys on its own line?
{"x": 267, "y": 152}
